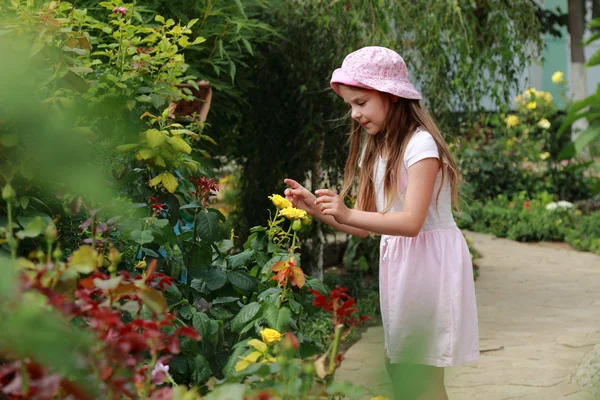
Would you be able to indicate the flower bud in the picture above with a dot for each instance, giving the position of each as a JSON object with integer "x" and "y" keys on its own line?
{"x": 51, "y": 232}
{"x": 296, "y": 225}
{"x": 57, "y": 253}
{"x": 8, "y": 193}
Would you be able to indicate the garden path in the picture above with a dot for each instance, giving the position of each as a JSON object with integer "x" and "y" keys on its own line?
{"x": 538, "y": 315}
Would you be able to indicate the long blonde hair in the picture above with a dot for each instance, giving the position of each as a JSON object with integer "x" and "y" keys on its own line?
{"x": 403, "y": 118}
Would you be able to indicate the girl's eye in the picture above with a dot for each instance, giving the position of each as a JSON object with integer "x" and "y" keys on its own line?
{"x": 361, "y": 103}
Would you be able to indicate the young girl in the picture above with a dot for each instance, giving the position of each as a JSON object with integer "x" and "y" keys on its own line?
{"x": 407, "y": 181}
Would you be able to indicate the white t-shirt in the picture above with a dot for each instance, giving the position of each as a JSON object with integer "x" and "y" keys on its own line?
{"x": 420, "y": 146}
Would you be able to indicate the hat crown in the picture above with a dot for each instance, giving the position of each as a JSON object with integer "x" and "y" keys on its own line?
{"x": 375, "y": 63}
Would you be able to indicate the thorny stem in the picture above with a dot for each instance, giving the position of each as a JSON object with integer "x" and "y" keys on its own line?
{"x": 188, "y": 267}
{"x": 24, "y": 379}
{"x": 335, "y": 348}
{"x": 11, "y": 239}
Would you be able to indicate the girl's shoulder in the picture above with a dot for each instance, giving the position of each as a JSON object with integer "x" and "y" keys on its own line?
{"x": 420, "y": 145}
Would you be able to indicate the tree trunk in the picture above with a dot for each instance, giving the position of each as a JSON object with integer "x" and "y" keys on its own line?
{"x": 578, "y": 73}
{"x": 317, "y": 239}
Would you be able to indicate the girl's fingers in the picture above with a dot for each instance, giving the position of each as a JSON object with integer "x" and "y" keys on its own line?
{"x": 324, "y": 199}
{"x": 292, "y": 183}
{"x": 325, "y": 192}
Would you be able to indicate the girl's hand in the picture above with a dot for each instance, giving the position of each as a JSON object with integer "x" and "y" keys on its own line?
{"x": 300, "y": 197}
{"x": 332, "y": 204}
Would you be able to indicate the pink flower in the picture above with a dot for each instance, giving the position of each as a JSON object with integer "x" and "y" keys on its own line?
{"x": 159, "y": 373}
{"x": 119, "y": 10}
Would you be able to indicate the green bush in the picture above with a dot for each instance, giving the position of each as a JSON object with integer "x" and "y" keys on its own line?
{"x": 585, "y": 235}
{"x": 521, "y": 218}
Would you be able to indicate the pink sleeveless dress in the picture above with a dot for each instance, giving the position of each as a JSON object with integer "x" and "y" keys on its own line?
{"x": 426, "y": 283}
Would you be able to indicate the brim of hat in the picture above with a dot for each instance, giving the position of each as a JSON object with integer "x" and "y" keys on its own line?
{"x": 341, "y": 77}
{"x": 406, "y": 90}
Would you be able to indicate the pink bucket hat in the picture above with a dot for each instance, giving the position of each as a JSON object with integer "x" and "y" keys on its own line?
{"x": 376, "y": 68}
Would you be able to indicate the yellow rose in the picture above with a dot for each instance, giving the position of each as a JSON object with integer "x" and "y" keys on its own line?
{"x": 548, "y": 97}
{"x": 293, "y": 213}
{"x": 280, "y": 201}
{"x": 530, "y": 92}
{"x": 558, "y": 77}
{"x": 270, "y": 336}
{"x": 543, "y": 123}
{"x": 544, "y": 155}
{"x": 511, "y": 120}
{"x": 532, "y": 105}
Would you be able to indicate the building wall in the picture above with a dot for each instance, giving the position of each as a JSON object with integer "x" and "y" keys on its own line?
{"x": 557, "y": 57}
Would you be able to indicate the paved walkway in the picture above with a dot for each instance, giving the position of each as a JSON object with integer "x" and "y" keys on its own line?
{"x": 539, "y": 313}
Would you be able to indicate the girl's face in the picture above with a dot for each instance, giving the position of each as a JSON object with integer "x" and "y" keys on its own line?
{"x": 368, "y": 107}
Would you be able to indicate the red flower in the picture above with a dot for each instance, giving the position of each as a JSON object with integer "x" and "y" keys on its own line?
{"x": 526, "y": 204}
{"x": 156, "y": 206}
{"x": 205, "y": 188}
{"x": 340, "y": 304}
{"x": 291, "y": 339}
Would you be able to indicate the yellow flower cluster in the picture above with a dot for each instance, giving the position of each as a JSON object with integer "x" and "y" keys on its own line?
{"x": 511, "y": 120}
{"x": 293, "y": 213}
{"x": 558, "y": 77}
{"x": 280, "y": 201}
{"x": 531, "y": 96}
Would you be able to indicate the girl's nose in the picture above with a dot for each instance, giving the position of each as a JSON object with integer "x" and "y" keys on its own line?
{"x": 356, "y": 115}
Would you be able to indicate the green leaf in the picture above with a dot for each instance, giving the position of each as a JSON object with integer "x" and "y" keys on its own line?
{"x": 127, "y": 147}
{"x": 221, "y": 313}
{"x": 207, "y": 226}
{"x": 201, "y": 370}
{"x": 155, "y": 138}
{"x": 295, "y": 306}
{"x": 594, "y": 60}
{"x": 592, "y": 38}
{"x": 224, "y": 246}
{"x": 248, "y": 46}
{"x": 266, "y": 269}
{"x": 346, "y": 389}
{"x": 198, "y": 40}
{"x": 33, "y": 228}
{"x": 36, "y": 48}
{"x": 230, "y": 391}
{"x": 240, "y": 260}
{"x": 241, "y": 279}
{"x": 186, "y": 312}
{"x": 9, "y": 140}
{"x": 201, "y": 322}
{"x": 240, "y": 7}
{"x": 157, "y": 100}
{"x": 213, "y": 277}
{"x": 587, "y": 137}
{"x": 232, "y": 70}
{"x": 224, "y": 300}
{"x": 228, "y": 369}
{"x": 142, "y": 237}
{"x": 81, "y": 70}
{"x": 246, "y": 314}
{"x": 317, "y": 285}
{"x": 278, "y": 318}
{"x": 266, "y": 295}
{"x": 198, "y": 255}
